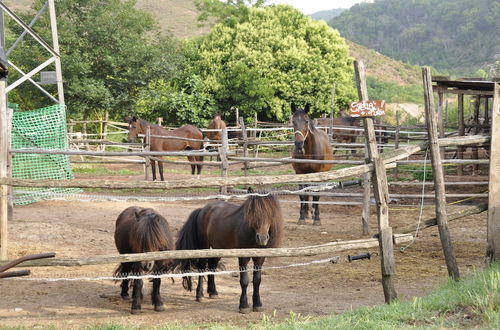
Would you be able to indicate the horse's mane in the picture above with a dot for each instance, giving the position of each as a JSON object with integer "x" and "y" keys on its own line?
{"x": 259, "y": 209}
{"x": 151, "y": 233}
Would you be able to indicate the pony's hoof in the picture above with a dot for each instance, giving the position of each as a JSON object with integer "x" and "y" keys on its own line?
{"x": 317, "y": 223}
{"x": 126, "y": 298}
{"x": 135, "y": 311}
{"x": 199, "y": 299}
{"x": 159, "y": 308}
{"x": 301, "y": 222}
{"x": 258, "y": 309}
{"x": 213, "y": 296}
{"x": 245, "y": 310}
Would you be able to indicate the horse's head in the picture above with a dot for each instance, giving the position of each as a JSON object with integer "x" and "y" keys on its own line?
{"x": 264, "y": 216}
{"x": 300, "y": 120}
{"x": 217, "y": 115}
{"x": 134, "y": 128}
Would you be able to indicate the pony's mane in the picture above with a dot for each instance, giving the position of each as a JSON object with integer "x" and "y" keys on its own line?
{"x": 260, "y": 209}
{"x": 151, "y": 233}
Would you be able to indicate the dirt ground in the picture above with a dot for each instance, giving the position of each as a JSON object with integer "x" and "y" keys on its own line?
{"x": 73, "y": 229}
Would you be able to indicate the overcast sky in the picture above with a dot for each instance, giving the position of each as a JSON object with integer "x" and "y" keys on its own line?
{"x": 312, "y": 6}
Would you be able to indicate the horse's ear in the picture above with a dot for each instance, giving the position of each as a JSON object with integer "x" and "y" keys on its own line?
{"x": 137, "y": 213}
{"x": 307, "y": 108}
{"x": 249, "y": 190}
{"x": 134, "y": 118}
{"x": 293, "y": 106}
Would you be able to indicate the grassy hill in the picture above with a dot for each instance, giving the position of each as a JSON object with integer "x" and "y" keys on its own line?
{"x": 327, "y": 15}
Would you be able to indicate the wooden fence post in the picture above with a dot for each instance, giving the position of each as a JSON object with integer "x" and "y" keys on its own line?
{"x": 105, "y": 130}
{"x": 437, "y": 172}
{"x": 493, "y": 245}
{"x": 147, "y": 147}
{"x": 4, "y": 156}
{"x": 159, "y": 120}
{"x": 223, "y": 151}
{"x": 477, "y": 129}
{"x": 440, "y": 122}
{"x": 381, "y": 192}
{"x": 245, "y": 143}
{"x": 396, "y": 140}
{"x": 332, "y": 112}
{"x": 461, "y": 132}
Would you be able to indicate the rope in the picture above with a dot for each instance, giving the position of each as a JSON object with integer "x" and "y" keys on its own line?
{"x": 402, "y": 249}
{"x": 171, "y": 275}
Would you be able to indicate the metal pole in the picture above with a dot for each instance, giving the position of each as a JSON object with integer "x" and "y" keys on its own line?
{"x": 55, "y": 44}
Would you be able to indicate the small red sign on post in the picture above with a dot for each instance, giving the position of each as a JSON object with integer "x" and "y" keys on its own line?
{"x": 370, "y": 108}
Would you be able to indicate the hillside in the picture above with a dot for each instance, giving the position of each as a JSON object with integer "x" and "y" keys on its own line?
{"x": 178, "y": 17}
{"x": 327, "y": 15}
{"x": 459, "y": 36}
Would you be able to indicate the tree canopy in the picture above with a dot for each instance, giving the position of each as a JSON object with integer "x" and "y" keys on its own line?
{"x": 109, "y": 51}
{"x": 260, "y": 64}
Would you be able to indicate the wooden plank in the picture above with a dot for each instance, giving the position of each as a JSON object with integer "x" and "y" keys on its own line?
{"x": 451, "y": 217}
{"x": 437, "y": 171}
{"x": 380, "y": 189}
{"x": 147, "y": 159}
{"x": 215, "y": 253}
{"x": 112, "y": 153}
{"x": 244, "y": 136}
{"x": 493, "y": 236}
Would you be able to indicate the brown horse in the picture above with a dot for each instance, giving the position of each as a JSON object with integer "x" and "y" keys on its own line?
{"x": 346, "y": 135}
{"x": 258, "y": 223}
{"x": 140, "y": 230}
{"x": 310, "y": 143}
{"x": 216, "y": 123}
{"x": 138, "y": 126}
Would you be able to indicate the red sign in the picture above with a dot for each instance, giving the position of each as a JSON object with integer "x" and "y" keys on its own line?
{"x": 367, "y": 109}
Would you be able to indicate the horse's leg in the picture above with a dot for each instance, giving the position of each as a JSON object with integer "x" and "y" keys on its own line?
{"x": 317, "y": 221}
{"x": 160, "y": 169}
{"x": 156, "y": 296}
{"x": 198, "y": 167}
{"x": 211, "y": 289}
{"x": 136, "y": 297}
{"x": 193, "y": 166}
{"x": 303, "y": 213}
{"x": 153, "y": 169}
{"x": 257, "y": 273}
{"x": 125, "y": 270}
{"x": 202, "y": 264}
{"x": 244, "y": 307}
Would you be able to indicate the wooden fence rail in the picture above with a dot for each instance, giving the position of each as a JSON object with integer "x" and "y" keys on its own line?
{"x": 216, "y": 253}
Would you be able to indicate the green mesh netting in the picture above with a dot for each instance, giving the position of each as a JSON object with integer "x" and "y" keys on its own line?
{"x": 42, "y": 128}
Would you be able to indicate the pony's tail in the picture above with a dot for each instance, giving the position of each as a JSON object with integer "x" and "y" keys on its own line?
{"x": 188, "y": 240}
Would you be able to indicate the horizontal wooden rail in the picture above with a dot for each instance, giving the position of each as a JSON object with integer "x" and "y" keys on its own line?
{"x": 218, "y": 253}
{"x": 112, "y": 153}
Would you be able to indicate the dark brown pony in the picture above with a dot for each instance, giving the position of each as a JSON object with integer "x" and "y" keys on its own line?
{"x": 140, "y": 230}
{"x": 310, "y": 143}
{"x": 258, "y": 223}
{"x": 138, "y": 126}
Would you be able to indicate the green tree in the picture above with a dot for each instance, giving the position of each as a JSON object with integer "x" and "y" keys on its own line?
{"x": 264, "y": 62}
{"x": 109, "y": 51}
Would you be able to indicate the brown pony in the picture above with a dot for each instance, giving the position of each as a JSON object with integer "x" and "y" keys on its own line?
{"x": 140, "y": 230}
{"x": 138, "y": 126}
{"x": 310, "y": 143}
{"x": 258, "y": 223}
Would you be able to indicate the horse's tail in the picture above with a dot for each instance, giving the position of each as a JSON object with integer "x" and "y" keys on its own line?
{"x": 188, "y": 240}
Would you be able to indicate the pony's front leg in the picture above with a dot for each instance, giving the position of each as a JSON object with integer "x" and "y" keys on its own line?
{"x": 303, "y": 207}
{"x": 257, "y": 275}
{"x": 244, "y": 307}
{"x": 136, "y": 296}
{"x": 156, "y": 296}
{"x": 317, "y": 221}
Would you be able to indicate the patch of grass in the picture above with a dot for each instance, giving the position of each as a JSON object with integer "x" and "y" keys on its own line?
{"x": 104, "y": 171}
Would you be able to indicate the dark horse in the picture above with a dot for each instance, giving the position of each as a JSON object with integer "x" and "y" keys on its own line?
{"x": 140, "y": 230}
{"x": 258, "y": 223}
{"x": 138, "y": 126}
{"x": 346, "y": 135}
{"x": 310, "y": 143}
